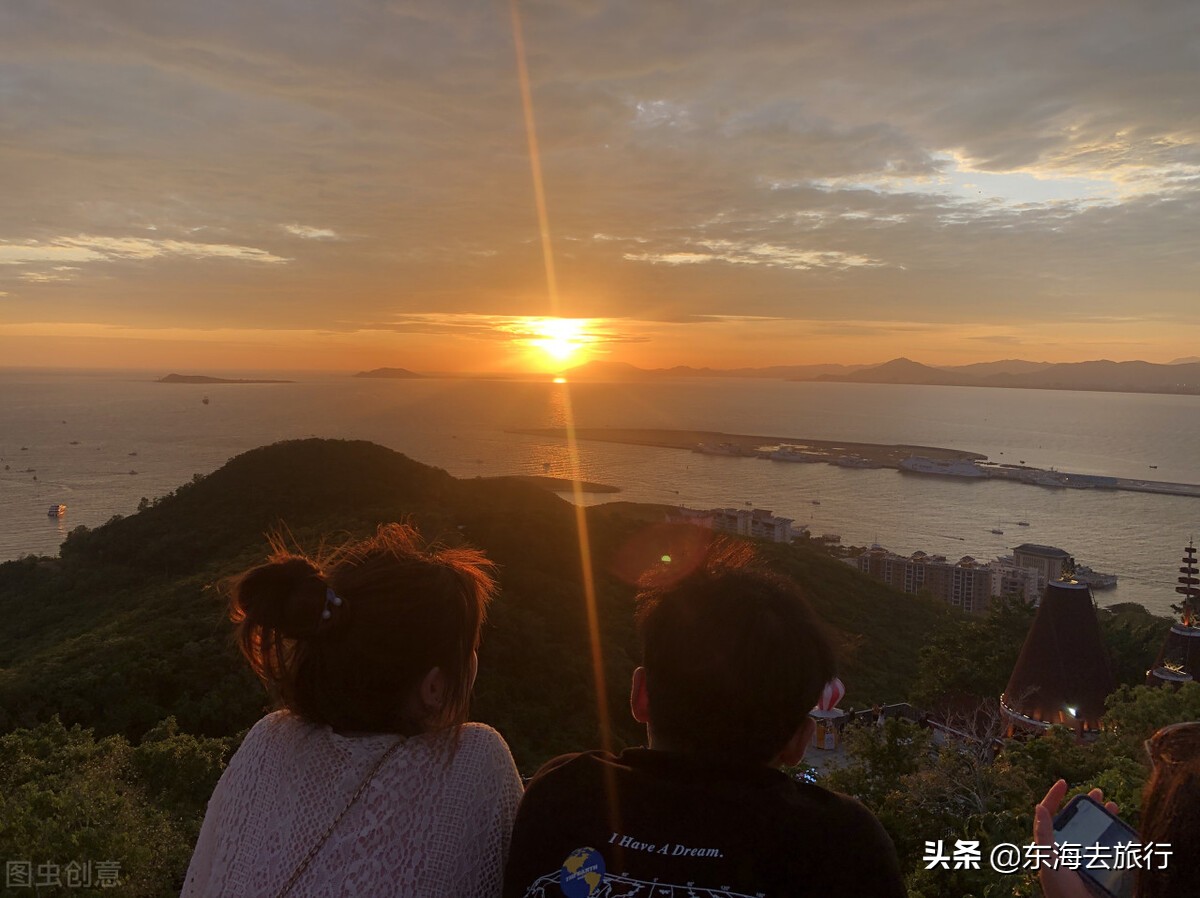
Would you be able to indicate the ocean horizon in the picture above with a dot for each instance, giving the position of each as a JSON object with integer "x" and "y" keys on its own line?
{"x": 99, "y": 442}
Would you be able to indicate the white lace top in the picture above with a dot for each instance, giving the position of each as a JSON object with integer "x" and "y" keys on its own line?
{"x": 430, "y": 824}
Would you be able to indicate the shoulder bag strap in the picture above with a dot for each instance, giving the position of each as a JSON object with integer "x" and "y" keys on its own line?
{"x": 312, "y": 853}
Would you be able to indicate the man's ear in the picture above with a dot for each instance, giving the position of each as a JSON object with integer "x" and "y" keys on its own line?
{"x": 793, "y": 752}
{"x": 639, "y": 698}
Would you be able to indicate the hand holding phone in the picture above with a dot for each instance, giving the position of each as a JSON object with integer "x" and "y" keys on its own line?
{"x": 1086, "y": 821}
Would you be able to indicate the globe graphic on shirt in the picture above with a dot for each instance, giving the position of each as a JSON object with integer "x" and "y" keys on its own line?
{"x": 582, "y": 873}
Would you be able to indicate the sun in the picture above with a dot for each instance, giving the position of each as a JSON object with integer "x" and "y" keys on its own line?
{"x": 560, "y": 338}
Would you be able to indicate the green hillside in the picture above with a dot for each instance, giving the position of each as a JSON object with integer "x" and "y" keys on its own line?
{"x": 127, "y": 626}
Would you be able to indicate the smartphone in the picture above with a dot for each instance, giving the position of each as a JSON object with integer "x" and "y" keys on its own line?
{"x": 1086, "y": 822}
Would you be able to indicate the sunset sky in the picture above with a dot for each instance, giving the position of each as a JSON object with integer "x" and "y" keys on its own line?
{"x": 347, "y": 185}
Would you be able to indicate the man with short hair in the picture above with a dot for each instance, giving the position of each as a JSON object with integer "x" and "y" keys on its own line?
{"x": 733, "y": 660}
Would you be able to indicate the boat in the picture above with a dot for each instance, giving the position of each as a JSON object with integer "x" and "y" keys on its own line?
{"x": 57, "y": 510}
{"x": 205, "y": 400}
{"x": 958, "y": 467}
{"x": 997, "y": 531}
{"x": 816, "y": 501}
{"x": 791, "y": 453}
{"x": 1094, "y": 579}
{"x": 720, "y": 449}
{"x": 855, "y": 461}
{"x": 1022, "y": 523}
{"x": 1155, "y": 467}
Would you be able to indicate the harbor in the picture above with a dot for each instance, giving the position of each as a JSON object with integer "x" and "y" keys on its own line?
{"x": 930, "y": 461}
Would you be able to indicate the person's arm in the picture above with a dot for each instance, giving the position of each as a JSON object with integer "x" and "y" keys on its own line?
{"x": 879, "y": 874}
{"x": 487, "y": 826}
{"x": 541, "y": 817}
{"x": 199, "y": 873}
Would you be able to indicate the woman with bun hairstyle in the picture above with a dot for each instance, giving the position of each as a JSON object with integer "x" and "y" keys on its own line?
{"x": 367, "y": 781}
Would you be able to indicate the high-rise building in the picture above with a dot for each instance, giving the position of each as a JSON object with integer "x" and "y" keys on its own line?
{"x": 1050, "y": 562}
{"x": 965, "y": 584}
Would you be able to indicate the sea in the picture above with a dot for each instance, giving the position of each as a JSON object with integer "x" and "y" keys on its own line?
{"x": 99, "y": 442}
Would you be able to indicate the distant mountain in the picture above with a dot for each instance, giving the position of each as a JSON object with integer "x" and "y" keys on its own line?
{"x": 205, "y": 379}
{"x": 1100, "y": 376}
{"x": 607, "y": 370}
{"x": 785, "y": 372}
{"x": 1005, "y": 366}
{"x": 1187, "y": 360}
{"x": 1108, "y": 376}
{"x": 898, "y": 371}
{"x": 391, "y": 373}
{"x": 602, "y": 369}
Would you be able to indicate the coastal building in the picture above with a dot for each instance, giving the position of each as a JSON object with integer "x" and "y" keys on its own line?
{"x": 757, "y": 523}
{"x": 965, "y": 584}
{"x": 1062, "y": 674}
{"x": 1010, "y": 579}
{"x": 1179, "y": 659}
{"x": 1049, "y": 561}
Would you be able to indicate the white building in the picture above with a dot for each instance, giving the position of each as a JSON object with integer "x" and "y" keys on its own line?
{"x": 757, "y": 523}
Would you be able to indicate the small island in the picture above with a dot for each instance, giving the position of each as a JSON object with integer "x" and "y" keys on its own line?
{"x": 388, "y": 373}
{"x": 205, "y": 379}
{"x": 560, "y": 484}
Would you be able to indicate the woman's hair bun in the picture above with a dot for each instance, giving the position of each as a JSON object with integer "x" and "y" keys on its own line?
{"x": 286, "y": 596}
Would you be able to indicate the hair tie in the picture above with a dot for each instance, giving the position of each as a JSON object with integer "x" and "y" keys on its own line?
{"x": 332, "y": 600}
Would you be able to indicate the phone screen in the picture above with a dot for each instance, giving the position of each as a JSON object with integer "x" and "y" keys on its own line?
{"x": 1085, "y": 823}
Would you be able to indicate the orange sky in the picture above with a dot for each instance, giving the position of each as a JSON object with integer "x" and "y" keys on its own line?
{"x": 192, "y": 186}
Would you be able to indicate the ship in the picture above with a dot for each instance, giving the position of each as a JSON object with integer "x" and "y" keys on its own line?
{"x": 57, "y": 511}
{"x": 855, "y": 461}
{"x": 791, "y": 453}
{"x": 720, "y": 449}
{"x": 1094, "y": 579}
{"x": 918, "y": 464}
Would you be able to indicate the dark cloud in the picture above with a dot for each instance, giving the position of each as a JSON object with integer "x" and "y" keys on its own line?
{"x": 791, "y": 160}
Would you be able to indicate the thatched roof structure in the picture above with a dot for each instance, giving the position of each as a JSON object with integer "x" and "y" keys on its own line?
{"x": 1062, "y": 675}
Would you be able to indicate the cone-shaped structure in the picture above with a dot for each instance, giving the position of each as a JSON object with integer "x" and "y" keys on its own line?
{"x": 1062, "y": 675}
{"x": 1179, "y": 660}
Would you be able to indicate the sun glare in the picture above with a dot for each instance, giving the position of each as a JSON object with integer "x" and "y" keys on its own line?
{"x": 560, "y": 338}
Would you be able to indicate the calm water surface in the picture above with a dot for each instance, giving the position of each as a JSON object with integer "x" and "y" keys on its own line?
{"x": 83, "y": 436}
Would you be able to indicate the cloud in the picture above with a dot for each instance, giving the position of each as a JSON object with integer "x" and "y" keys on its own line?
{"x": 966, "y": 162}
{"x": 767, "y": 254}
{"x": 87, "y": 248}
{"x": 308, "y": 233}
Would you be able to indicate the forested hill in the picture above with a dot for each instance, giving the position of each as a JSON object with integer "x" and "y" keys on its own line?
{"x": 127, "y": 627}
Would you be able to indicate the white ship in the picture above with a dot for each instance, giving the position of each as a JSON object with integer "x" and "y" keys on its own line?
{"x": 1094, "y": 579}
{"x": 720, "y": 449}
{"x": 918, "y": 464}
{"x": 791, "y": 453}
{"x": 855, "y": 461}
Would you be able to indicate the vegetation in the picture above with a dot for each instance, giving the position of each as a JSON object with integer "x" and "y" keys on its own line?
{"x": 122, "y": 696}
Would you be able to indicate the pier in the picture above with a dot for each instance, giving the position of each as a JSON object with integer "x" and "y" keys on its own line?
{"x": 860, "y": 455}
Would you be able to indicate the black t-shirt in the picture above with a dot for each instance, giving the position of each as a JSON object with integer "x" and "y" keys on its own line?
{"x": 654, "y": 823}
